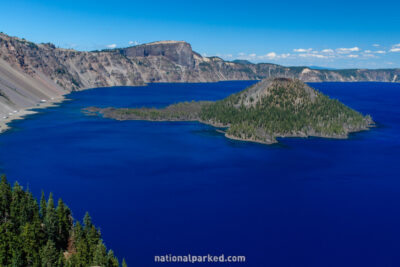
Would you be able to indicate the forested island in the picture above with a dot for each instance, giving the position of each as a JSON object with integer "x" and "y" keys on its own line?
{"x": 46, "y": 234}
{"x": 277, "y": 107}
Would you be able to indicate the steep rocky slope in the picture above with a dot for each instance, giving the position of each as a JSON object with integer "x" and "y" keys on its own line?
{"x": 33, "y": 73}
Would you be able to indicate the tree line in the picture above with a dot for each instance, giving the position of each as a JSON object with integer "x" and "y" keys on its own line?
{"x": 45, "y": 234}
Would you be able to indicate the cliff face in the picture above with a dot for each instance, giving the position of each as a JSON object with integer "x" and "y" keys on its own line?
{"x": 30, "y": 73}
{"x": 176, "y": 51}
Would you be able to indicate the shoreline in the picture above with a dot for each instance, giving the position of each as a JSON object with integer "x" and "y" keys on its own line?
{"x": 22, "y": 113}
{"x": 218, "y": 128}
{"x": 305, "y": 136}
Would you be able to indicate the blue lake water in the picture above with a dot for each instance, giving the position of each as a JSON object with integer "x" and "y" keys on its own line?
{"x": 181, "y": 188}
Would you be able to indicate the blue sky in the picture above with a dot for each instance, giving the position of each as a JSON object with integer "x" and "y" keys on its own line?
{"x": 337, "y": 34}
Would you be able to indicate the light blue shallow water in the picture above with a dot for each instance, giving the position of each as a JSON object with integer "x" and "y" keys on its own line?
{"x": 179, "y": 188}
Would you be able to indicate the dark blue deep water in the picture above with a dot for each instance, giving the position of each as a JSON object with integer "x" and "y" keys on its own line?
{"x": 180, "y": 188}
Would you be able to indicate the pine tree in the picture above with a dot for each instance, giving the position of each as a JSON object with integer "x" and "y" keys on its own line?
{"x": 87, "y": 221}
{"x": 6, "y": 239}
{"x": 32, "y": 209}
{"x": 124, "y": 263}
{"x": 17, "y": 259}
{"x": 49, "y": 254}
{"x": 50, "y": 220}
{"x": 64, "y": 224}
{"x": 38, "y": 236}
{"x": 112, "y": 261}
{"x": 43, "y": 206}
{"x": 30, "y": 237}
{"x": 100, "y": 255}
{"x": 61, "y": 260}
{"x": 82, "y": 256}
{"x": 17, "y": 206}
{"x": 92, "y": 235}
{"x": 5, "y": 199}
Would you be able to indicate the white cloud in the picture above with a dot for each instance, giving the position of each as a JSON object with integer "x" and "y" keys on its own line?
{"x": 347, "y": 50}
{"x": 352, "y": 56}
{"x": 133, "y": 42}
{"x": 375, "y": 52}
{"x": 395, "y": 48}
{"x": 327, "y": 51}
{"x": 302, "y": 50}
{"x": 271, "y": 55}
{"x": 313, "y": 55}
{"x": 268, "y": 56}
{"x": 376, "y": 45}
{"x": 111, "y": 46}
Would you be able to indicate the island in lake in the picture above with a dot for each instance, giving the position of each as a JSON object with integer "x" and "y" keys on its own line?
{"x": 277, "y": 107}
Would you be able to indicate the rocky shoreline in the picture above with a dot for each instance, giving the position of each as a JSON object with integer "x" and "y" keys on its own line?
{"x": 299, "y": 135}
{"x": 22, "y": 113}
{"x": 106, "y": 114}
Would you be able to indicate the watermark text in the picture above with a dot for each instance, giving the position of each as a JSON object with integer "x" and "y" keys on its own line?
{"x": 198, "y": 258}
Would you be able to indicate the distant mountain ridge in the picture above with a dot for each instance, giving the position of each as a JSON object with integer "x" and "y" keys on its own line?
{"x": 33, "y": 73}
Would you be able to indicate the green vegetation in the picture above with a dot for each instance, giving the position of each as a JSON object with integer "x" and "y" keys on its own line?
{"x": 185, "y": 111}
{"x": 60, "y": 71}
{"x": 272, "y": 108}
{"x": 286, "y": 108}
{"x": 74, "y": 82}
{"x": 44, "y": 234}
{"x": 32, "y": 45}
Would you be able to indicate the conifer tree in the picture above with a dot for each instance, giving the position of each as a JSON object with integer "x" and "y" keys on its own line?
{"x": 5, "y": 199}
{"x": 43, "y": 206}
{"x": 100, "y": 255}
{"x": 50, "y": 220}
{"x": 87, "y": 221}
{"x": 30, "y": 237}
{"x": 82, "y": 255}
{"x": 49, "y": 254}
{"x": 17, "y": 260}
{"x": 92, "y": 235}
{"x": 17, "y": 206}
{"x": 33, "y": 236}
{"x": 61, "y": 260}
{"x": 64, "y": 224}
{"x": 112, "y": 261}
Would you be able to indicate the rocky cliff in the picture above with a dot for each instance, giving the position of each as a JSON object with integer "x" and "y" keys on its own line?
{"x": 32, "y": 73}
